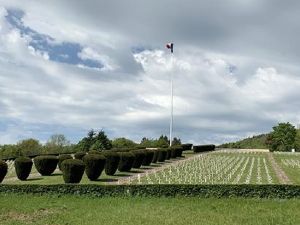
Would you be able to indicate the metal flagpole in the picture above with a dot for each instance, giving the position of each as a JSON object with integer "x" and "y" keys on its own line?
{"x": 171, "y": 119}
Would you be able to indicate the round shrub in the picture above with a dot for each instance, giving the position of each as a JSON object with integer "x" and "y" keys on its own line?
{"x": 155, "y": 156}
{"x": 23, "y": 166}
{"x": 186, "y": 147}
{"x": 62, "y": 158}
{"x": 178, "y": 151}
{"x": 112, "y": 162}
{"x": 94, "y": 165}
{"x": 173, "y": 153}
{"x": 139, "y": 158}
{"x": 45, "y": 164}
{"x": 95, "y": 152}
{"x": 162, "y": 154}
{"x": 168, "y": 156}
{"x": 73, "y": 170}
{"x": 79, "y": 155}
{"x": 203, "y": 148}
{"x": 148, "y": 158}
{"x": 126, "y": 161}
{"x": 3, "y": 170}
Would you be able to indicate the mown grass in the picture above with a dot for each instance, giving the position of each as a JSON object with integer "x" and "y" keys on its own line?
{"x": 48, "y": 209}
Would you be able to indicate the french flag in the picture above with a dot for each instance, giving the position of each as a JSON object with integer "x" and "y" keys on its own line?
{"x": 170, "y": 46}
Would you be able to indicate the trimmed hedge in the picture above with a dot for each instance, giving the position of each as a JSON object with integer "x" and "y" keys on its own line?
{"x": 79, "y": 155}
{"x": 95, "y": 152}
{"x": 173, "y": 152}
{"x": 155, "y": 156}
{"x": 214, "y": 191}
{"x": 126, "y": 161}
{"x": 203, "y": 148}
{"x": 73, "y": 170}
{"x": 168, "y": 156}
{"x": 148, "y": 158}
{"x": 3, "y": 170}
{"x": 139, "y": 158}
{"x": 94, "y": 165}
{"x": 45, "y": 164}
{"x": 112, "y": 162}
{"x": 162, "y": 155}
{"x": 186, "y": 147}
{"x": 62, "y": 158}
{"x": 23, "y": 166}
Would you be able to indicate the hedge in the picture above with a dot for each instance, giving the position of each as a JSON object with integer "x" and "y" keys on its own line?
{"x": 139, "y": 158}
{"x": 126, "y": 161}
{"x": 94, "y": 165}
{"x": 3, "y": 170}
{"x": 148, "y": 158}
{"x": 155, "y": 156}
{"x": 215, "y": 191}
{"x": 186, "y": 147}
{"x": 112, "y": 162}
{"x": 95, "y": 152}
{"x": 23, "y": 166}
{"x": 79, "y": 155}
{"x": 62, "y": 158}
{"x": 168, "y": 156}
{"x": 73, "y": 170}
{"x": 162, "y": 155}
{"x": 45, "y": 164}
{"x": 203, "y": 148}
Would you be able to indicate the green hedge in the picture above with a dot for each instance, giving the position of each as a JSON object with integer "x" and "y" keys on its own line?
{"x": 203, "y": 148}
{"x": 215, "y": 191}
{"x": 155, "y": 156}
{"x": 126, "y": 161}
{"x": 168, "y": 156}
{"x": 186, "y": 147}
{"x": 45, "y": 164}
{"x": 162, "y": 155}
{"x": 23, "y": 166}
{"x": 94, "y": 165}
{"x": 3, "y": 170}
{"x": 79, "y": 155}
{"x": 139, "y": 158}
{"x": 73, "y": 170}
{"x": 62, "y": 158}
{"x": 112, "y": 162}
{"x": 148, "y": 158}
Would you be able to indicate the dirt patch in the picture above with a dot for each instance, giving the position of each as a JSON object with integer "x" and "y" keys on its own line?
{"x": 282, "y": 177}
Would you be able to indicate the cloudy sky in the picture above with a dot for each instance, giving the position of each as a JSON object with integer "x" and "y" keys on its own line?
{"x": 69, "y": 66}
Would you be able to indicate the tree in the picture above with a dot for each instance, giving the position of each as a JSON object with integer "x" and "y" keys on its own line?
{"x": 123, "y": 143}
{"x": 176, "y": 141}
{"x": 94, "y": 141}
{"x": 282, "y": 138}
{"x": 56, "y": 144}
{"x": 297, "y": 141}
{"x": 86, "y": 143}
{"x": 29, "y": 147}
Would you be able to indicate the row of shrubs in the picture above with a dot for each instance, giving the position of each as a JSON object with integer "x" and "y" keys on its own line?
{"x": 203, "y": 148}
{"x": 92, "y": 163}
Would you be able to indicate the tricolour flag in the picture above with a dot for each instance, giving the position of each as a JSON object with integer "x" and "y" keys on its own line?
{"x": 170, "y": 46}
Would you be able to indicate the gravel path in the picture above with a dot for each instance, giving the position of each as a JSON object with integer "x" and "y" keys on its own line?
{"x": 283, "y": 178}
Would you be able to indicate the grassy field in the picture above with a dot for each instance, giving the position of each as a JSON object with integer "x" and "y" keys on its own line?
{"x": 290, "y": 163}
{"x": 33, "y": 209}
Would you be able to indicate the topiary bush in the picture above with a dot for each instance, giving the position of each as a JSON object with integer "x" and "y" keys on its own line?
{"x": 203, "y": 148}
{"x": 139, "y": 158}
{"x": 73, "y": 170}
{"x": 173, "y": 153}
{"x": 62, "y": 158}
{"x": 95, "y": 152}
{"x": 94, "y": 165}
{"x": 186, "y": 147}
{"x": 148, "y": 158}
{"x": 23, "y": 166}
{"x": 179, "y": 151}
{"x": 155, "y": 156}
{"x": 45, "y": 164}
{"x": 126, "y": 161}
{"x": 79, "y": 155}
{"x": 112, "y": 162}
{"x": 168, "y": 156}
{"x": 3, "y": 170}
{"x": 162, "y": 154}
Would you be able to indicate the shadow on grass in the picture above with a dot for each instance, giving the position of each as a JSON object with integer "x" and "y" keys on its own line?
{"x": 106, "y": 180}
{"x": 33, "y": 179}
{"x": 137, "y": 171}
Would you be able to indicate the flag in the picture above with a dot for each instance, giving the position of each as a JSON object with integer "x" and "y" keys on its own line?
{"x": 170, "y": 46}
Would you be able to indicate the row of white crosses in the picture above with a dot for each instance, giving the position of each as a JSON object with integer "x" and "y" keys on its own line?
{"x": 294, "y": 163}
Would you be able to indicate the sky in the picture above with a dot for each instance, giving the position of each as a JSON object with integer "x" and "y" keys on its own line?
{"x": 70, "y": 66}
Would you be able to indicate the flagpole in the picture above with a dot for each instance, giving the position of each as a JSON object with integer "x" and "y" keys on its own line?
{"x": 171, "y": 116}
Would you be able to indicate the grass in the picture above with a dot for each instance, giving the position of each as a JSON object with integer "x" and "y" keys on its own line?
{"x": 48, "y": 209}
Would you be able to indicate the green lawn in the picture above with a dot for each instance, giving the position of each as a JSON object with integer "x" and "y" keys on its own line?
{"x": 33, "y": 209}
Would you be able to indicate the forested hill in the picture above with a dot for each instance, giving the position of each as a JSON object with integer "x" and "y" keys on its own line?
{"x": 258, "y": 141}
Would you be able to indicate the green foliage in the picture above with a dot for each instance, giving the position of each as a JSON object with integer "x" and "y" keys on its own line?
{"x": 186, "y": 147}
{"x": 161, "y": 142}
{"x": 254, "y": 142}
{"x": 155, "y": 156}
{"x": 73, "y": 170}
{"x": 94, "y": 165}
{"x": 112, "y": 162}
{"x": 282, "y": 138}
{"x": 162, "y": 155}
{"x": 62, "y": 158}
{"x": 95, "y": 152}
{"x": 29, "y": 147}
{"x": 123, "y": 143}
{"x": 126, "y": 161}
{"x": 56, "y": 144}
{"x": 79, "y": 155}
{"x": 169, "y": 152}
{"x": 173, "y": 153}
{"x": 203, "y": 148}
{"x": 45, "y": 164}
{"x": 3, "y": 170}
{"x": 139, "y": 158}
{"x": 297, "y": 141}
{"x": 176, "y": 141}
{"x": 160, "y": 190}
{"x": 23, "y": 166}
{"x": 94, "y": 141}
{"x": 148, "y": 157}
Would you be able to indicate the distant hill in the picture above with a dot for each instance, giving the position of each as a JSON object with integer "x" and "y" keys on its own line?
{"x": 257, "y": 141}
